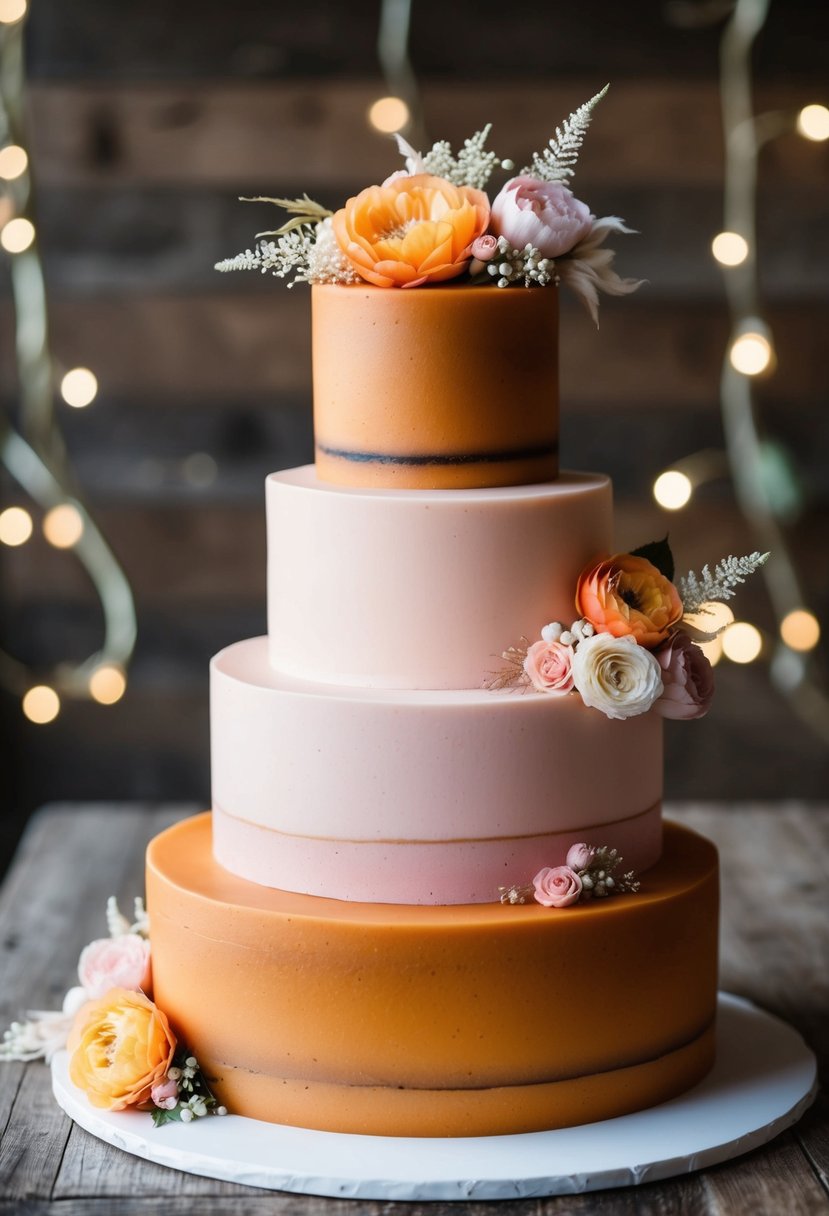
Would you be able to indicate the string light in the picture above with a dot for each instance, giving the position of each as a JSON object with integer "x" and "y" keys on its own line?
{"x": 672, "y": 490}
{"x": 742, "y": 642}
{"x": 12, "y": 11}
{"x": 13, "y": 162}
{"x": 751, "y": 353}
{"x": 800, "y": 629}
{"x": 813, "y": 123}
{"x": 389, "y": 114}
{"x": 41, "y": 704}
{"x": 15, "y": 526}
{"x": 729, "y": 248}
{"x": 107, "y": 685}
{"x": 63, "y": 526}
{"x": 79, "y": 387}
{"x": 17, "y": 235}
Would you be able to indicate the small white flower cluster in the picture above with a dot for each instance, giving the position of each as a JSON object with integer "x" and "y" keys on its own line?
{"x": 309, "y": 253}
{"x": 326, "y": 261}
{"x": 514, "y": 265}
{"x": 555, "y": 632}
{"x": 597, "y": 878}
{"x": 473, "y": 165}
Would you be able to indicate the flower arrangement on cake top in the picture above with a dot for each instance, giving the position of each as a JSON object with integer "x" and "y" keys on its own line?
{"x": 432, "y": 222}
{"x": 633, "y": 646}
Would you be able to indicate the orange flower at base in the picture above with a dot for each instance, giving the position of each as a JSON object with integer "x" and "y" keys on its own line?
{"x": 412, "y": 230}
{"x": 120, "y": 1046}
{"x": 626, "y": 595}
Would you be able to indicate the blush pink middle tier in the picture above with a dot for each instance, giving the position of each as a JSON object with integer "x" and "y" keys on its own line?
{"x": 422, "y": 588}
{"x": 418, "y": 796}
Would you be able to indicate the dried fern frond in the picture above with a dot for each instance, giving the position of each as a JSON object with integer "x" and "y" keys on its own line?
{"x": 513, "y": 674}
{"x": 697, "y": 589}
{"x": 304, "y": 210}
{"x": 557, "y": 162}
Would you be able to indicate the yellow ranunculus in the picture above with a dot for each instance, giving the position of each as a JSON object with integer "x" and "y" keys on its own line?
{"x": 121, "y": 1046}
{"x": 412, "y": 230}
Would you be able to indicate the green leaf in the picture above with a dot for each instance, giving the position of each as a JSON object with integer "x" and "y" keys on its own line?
{"x": 160, "y": 1117}
{"x": 658, "y": 553}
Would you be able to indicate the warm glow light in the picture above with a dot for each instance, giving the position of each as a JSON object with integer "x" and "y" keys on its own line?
{"x": 12, "y": 10}
{"x": 711, "y": 616}
{"x": 17, "y": 235}
{"x": 13, "y": 162}
{"x": 799, "y": 629}
{"x": 741, "y": 642}
{"x": 389, "y": 114}
{"x": 107, "y": 685}
{"x": 672, "y": 490}
{"x": 15, "y": 526}
{"x": 63, "y": 526}
{"x": 41, "y": 704}
{"x": 751, "y": 353}
{"x": 813, "y": 123}
{"x": 79, "y": 387}
{"x": 712, "y": 650}
{"x": 729, "y": 248}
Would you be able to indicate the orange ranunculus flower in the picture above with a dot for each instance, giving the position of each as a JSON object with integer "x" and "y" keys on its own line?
{"x": 412, "y": 230}
{"x": 627, "y": 595}
{"x": 121, "y": 1046}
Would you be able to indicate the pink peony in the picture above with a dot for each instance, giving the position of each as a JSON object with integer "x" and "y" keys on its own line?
{"x": 484, "y": 247}
{"x": 115, "y": 962}
{"x": 557, "y": 886}
{"x": 579, "y": 856}
{"x": 165, "y": 1094}
{"x": 550, "y": 667}
{"x": 687, "y": 679}
{"x": 545, "y": 215}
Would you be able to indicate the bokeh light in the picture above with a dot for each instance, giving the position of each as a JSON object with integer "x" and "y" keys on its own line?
{"x": 742, "y": 642}
{"x": 63, "y": 526}
{"x": 13, "y": 162}
{"x": 751, "y": 353}
{"x": 813, "y": 123}
{"x": 17, "y": 235}
{"x": 41, "y": 704}
{"x": 800, "y": 629}
{"x": 15, "y": 526}
{"x": 672, "y": 490}
{"x": 12, "y": 10}
{"x": 107, "y": 684}
{"x": 79, "y": 387}
{"x": 729, "y": 248}
{"x": 388, "y": 114}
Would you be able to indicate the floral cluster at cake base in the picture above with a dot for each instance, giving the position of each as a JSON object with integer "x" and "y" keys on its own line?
{"x": 633, "y": 648}
{"x": 433, "y": 223}
{"x": 123, "y": 1052}
{"x": 589, "y": 872}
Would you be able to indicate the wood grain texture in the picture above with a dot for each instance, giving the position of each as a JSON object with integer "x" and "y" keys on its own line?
{"x": 774, "y": 952}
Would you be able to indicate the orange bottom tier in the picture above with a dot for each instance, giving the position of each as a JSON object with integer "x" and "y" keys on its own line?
{"x": 467, "y": 1020}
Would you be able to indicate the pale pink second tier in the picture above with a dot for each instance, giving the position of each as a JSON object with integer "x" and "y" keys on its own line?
{"x": 421, "y": 797}
{"x": 422, "y": 588}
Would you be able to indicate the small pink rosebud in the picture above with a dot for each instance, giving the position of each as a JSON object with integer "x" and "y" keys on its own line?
{"x": 484, "y": 247}
{"x": 557, "y": 887}
{"x": 165, "y": 1094}
{"x": 579, "y": 856}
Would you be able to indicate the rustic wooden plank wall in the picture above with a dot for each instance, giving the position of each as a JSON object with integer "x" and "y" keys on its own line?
{"x": 147, "y": 126}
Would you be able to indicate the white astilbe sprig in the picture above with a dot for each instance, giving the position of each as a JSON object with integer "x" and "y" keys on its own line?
{"x": 695, "y": 590}
{"x": 473, "y": 166}
{"x": 310, "y": 253}
{"x": 588, "y": 268}
{"x": 326, "y": 261}
{"x": 557, "y": 162}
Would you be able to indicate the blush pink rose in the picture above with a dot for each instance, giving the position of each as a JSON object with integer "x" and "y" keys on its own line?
{"x": 115, "y": 962}
{"x": 557, "y": 886}
{"x": 550, "y": 667}
{"x": 579, "y": 856}
{"x": 165, "y": 1094}
{"x": 545, "y": 215}
{"x": 687, "y": 679}
{"x": 484, "y": 247}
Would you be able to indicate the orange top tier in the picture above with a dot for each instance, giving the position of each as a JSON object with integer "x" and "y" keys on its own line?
{"x": 436, "y": 387}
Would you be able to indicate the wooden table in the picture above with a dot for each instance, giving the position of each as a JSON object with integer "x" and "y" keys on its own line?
{"x": 775, "y": 950}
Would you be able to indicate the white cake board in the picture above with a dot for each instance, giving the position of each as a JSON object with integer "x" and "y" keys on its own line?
{"x": 763, "y": 1081}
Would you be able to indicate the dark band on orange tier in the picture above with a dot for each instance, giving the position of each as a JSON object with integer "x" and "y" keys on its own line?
{"x": 476, "y": 1019}
{"x": 539, "y": 452}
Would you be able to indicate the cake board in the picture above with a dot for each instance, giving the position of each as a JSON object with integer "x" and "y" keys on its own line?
{"x": 764, "y": 1079}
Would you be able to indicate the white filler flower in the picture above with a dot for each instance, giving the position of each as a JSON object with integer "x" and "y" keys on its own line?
{"x": 616, "y": 675}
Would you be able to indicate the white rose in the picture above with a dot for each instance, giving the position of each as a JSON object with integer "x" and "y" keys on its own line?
{"x": 616, "y": 675}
